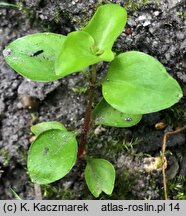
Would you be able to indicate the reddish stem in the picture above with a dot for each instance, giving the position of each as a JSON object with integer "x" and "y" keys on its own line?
{"x": 87, "y": 119}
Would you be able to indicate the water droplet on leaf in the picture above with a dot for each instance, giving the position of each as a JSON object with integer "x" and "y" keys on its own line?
{"x": 178, "y": 95}
{"x": 128, "y": 119}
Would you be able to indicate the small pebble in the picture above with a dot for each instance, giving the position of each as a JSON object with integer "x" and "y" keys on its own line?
{"x": 156, "y": 13}
{"x": 29, "y": 102}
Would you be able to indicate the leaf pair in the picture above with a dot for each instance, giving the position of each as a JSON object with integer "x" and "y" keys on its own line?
{"x": 53, "y": 154}
{"x": 94, "y": 43}
{"x": 136, "y": 84}
{"x": 48, "y": 56}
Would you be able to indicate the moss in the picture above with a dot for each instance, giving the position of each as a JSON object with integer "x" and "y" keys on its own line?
{"x": 5, "y": 156}
{"x": 177, "y": 188}
{"x": 80, "y": 89}
{"x": 57, "y": 16}
{"x": 109, "y": 142}
{"x": 175, "y": 116}
{"x": 56, "y": 192}
{"x": 138, "y": 4}
{"x": 124, "y": 184}
{"x": 182, "y": 15}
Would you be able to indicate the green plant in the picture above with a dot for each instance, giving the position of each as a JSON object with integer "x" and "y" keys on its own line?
{"x": 5, "y": 4}
{"x": 135, "y": 84}
{"x": 181, "y": 14}
{"x": 17, "y": 197}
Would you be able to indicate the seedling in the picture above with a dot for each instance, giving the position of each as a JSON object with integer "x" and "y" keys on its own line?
{"x": 135, "y": 84}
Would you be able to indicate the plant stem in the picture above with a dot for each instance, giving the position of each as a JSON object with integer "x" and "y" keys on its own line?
{"x": 38, "y": 194}
{"x": 164, "y": 165}
{"x": 164, "y": 157}
{"x": 87, "y": 119}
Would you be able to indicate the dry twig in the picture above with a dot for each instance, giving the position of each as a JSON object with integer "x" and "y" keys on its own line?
{"x": 164, "y": 157}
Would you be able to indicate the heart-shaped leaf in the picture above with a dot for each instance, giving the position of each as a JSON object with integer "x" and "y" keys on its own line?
{"x": 51, "y": 156}
{"x": 34, "y": 56}
{"x": 78, "y": 52}
{"x": 44, "y": 126}
{"x": 106, "y": 25}
{"x": 104, "y": 114}
{"x": 137, "y": 83}
{"x": 99, "y": 176}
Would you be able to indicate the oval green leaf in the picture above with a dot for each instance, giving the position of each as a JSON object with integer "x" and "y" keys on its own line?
{"x": 106, "y": 25}
{"x": 44, "y": 126}
{"x": 33, "y": 56}
{"x": 78, "y": 52}
{"x": 137, "y": 83}
{"x": 104, "y": 114}
{"x": 99, "y": 176}
{"x": 51, "y": 156}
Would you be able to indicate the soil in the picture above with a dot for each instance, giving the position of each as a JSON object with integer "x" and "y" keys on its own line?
{"x": 156, "y": 28}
